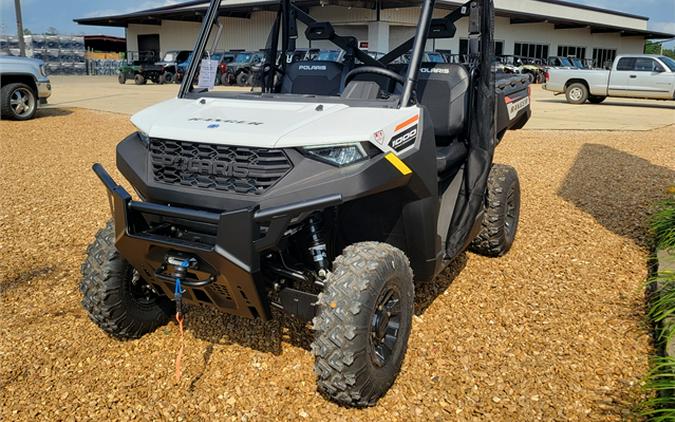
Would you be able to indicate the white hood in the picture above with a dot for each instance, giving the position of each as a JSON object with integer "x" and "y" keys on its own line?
{"x": 266, "y": 124}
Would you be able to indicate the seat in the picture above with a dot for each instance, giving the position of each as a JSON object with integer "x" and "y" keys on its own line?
{"x": 441, "y": 88}
{"x": 313, "y": 78}
{"x": 450, "y": 156}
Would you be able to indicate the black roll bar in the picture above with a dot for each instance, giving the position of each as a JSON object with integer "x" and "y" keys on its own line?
{"x": 418, "y": 51}
{"x": 200, "y": 45}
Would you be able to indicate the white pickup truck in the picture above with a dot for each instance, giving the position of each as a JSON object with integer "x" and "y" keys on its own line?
{"x": 632, "y": 76}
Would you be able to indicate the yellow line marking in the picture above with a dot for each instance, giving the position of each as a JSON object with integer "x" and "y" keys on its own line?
{"x": 396, "y": 162}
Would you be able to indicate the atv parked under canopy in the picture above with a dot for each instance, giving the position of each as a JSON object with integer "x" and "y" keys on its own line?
{"x": 322, "y": 195}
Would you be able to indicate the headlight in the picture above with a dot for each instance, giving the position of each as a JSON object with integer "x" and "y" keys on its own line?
{"x": 144, "y": 137}
{"x": 338, "y": 155}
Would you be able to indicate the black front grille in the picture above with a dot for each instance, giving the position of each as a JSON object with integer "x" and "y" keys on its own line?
{"x": 219, "y": 167}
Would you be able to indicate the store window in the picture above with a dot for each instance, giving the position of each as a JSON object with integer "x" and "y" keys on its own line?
{"x": 534, "y": 51}
{"x": 570, "y": 51}
{"x": 603, "y": 57}
{"x": 464, "y": 47}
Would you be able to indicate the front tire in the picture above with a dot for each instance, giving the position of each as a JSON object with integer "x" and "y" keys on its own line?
{"x": 18, "y": 102}
{"x": 140, "y": 80}
{"x": 166, "y": 78}
{"x": 500, "y": 221}
{"x": 576, "y": 93}
{"x": 242, "y": 79}
{"x": 115, "y": 297}
{"x": 122, "y": 78}
{"x": 363, "y": 323}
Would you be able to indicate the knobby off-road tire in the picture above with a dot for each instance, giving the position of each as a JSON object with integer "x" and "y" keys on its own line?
{"x": 122, "y": 78}
{"x": 112, "y": 298}
{"x": 166, "y": 78}
{"x": 353, "y": 366}
{"x": 140, "y": 79}
{"x": 500, "y": 221}
{"x": 243, "y": 79}
{"x": 576, "y": 93}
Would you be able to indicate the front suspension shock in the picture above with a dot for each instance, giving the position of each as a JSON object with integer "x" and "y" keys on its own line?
{"x": 317, "y": 245}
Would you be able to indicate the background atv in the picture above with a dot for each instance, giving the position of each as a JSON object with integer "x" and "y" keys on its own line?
{"x": 320, "y": 195}
{"x": 169, "y": 63}
{"x": 140, "y": 70}
{"x": 241, "y": 70}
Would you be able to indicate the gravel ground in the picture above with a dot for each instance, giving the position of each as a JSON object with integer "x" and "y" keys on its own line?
{"x": 555, "y": 330}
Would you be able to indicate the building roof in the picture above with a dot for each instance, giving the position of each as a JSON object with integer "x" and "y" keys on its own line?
{"x": 194, "y": 11}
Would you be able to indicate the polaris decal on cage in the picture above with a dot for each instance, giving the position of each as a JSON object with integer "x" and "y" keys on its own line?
{"x": 515, "y": 106}
{"x": 404, "y": 139}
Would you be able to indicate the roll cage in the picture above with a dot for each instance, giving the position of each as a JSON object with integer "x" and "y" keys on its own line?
{"x": 285, "y": 32}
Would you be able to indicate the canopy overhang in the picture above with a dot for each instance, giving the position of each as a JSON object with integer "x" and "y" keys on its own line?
{"x": 193, "y": 11}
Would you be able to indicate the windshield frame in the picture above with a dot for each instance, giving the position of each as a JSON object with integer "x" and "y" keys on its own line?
{"x": 284, "y": 30}
{"x": 669, "y": 62}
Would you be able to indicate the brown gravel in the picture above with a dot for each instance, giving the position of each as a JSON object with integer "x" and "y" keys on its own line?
{"x": 554, "y": 331}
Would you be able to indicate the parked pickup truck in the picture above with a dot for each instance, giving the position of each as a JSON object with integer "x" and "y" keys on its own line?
{"x": 632, "y": 76}
{"x": 24, "y": 86}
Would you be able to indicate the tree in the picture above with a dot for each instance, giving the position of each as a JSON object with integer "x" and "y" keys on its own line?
{"x": 27, "y": 31}
{"x": 52, "y": 31}
{"x": 653, "y": 47}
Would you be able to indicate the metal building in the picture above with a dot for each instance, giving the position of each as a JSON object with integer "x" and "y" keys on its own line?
{"x": 530, "y": 28}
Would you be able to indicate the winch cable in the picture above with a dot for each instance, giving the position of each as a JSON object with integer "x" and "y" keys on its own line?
{"x": 180, "y": 316}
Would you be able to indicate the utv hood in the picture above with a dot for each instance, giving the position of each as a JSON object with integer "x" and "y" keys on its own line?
{"x": 266, "y": 124}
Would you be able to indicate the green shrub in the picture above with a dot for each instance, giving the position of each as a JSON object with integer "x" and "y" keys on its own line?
{"x": 660, "y": 381}
{"x": 663, "y": 224}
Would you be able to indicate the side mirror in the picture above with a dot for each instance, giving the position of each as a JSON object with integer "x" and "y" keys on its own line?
{"x": 659, "y": 69}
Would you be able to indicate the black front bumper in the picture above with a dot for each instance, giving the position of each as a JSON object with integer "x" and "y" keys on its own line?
{"x": 225, "y": 247}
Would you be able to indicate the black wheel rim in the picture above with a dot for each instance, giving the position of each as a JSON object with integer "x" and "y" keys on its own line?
{"x": 511, "y": 212}
{"x": 385, "y": 325}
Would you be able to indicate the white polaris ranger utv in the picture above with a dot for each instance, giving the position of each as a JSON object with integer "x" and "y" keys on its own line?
{"x": 323, "y": 194}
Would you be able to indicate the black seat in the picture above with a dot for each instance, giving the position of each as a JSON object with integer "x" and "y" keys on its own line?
{"x": 451, "y": 156}
{"x": 315, "y": 78}
{"x": 441, "y": 88}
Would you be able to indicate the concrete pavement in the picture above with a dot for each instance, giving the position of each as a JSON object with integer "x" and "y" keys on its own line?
{"x": 550, "y": 112}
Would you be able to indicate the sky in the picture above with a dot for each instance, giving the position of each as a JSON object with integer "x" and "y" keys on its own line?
{"x": 39, "y": 15}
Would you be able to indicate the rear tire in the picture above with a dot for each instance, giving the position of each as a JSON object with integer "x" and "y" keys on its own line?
{"x": 595, "y": 99}
{"x": 140, "y": 80}
{"x": 118, "y": 301}
{"x": 363, "y": 323}
{"x": 500, "y": 221}
{"x": 576, "y": 93}
{"x": 122, "y": 78}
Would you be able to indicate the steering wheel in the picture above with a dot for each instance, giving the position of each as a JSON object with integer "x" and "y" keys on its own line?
{"x": 376, "y": 71}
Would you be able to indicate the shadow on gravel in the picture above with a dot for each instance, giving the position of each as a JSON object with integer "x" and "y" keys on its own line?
{"x": 53, "y": 112}
{"x": 616, "y": 188}
{"x": 24, "y": 277}
{"x": 426, "y": 293}
{"x": 268, "y": 336}
{"x": 265, "y": 336}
